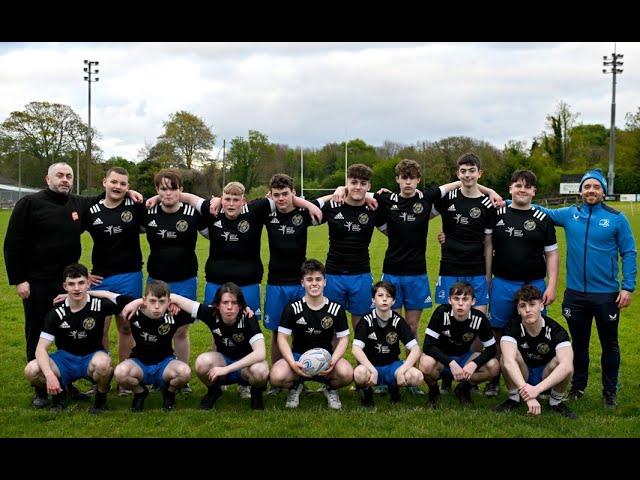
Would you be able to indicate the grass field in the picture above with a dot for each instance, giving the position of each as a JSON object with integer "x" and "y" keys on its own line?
{"x": 233, "y": 417}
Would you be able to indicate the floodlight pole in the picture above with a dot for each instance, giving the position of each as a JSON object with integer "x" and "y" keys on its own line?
{"x": 89, "y": 71}
{"x": 613, "y": 64}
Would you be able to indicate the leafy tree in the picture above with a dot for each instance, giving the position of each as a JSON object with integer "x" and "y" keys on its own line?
{"x": 189, "y": 136}
{"x": 246, "y": 157}
{"x": 561, "y": 124}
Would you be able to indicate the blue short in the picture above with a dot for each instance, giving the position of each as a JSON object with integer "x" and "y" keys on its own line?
{"x": 503, "y": 304}
{"x": 353, "y": 292}
{"x": 478, "y": 282}
{"x": 187, "y": 288}
{"x": 316, "y": 378}
{"x": 123, "y": 283}
{"x": 387, "y": 373}
{"x": 72, "y": 367}
{"x": 412, "y": 291}
{"x": 251, "y": 295}
{"x": 460, "y": 359}
{"x": 276, "y": 300}
{"x": 233, "y": 377}
{"x": 535, "y": 375}
{"x": 152, "y": 374}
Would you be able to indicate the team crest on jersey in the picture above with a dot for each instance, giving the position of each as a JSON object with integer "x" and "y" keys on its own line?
{"x": 237, "y": 337}
{"x": 182, "y": 225}
{"x": 243, "y": 226}
{"x": 297, "y": 220}
{"x": 566, "y": 312}
{"x": 391, "y": 338}
{"x": 326, "y": 322}
{"x": 126, "y": 216}
{"x": 88, "y": 323}
{"x": 467, "y": 337}
{"x": 418, "y": 208}
{"x": 529, "y": 225}
{"x": 164, "y": 329}
{"x": 543, "y": 349}
{"x": 475, "y": 212}
{"x": 363, "y": 218}
{"x": 604, "y": 222}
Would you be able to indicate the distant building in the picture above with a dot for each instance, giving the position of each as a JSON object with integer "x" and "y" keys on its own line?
{"x": 10, "y": 194}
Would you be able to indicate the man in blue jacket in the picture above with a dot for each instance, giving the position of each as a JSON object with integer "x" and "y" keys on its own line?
{"x": 596, "y": 234}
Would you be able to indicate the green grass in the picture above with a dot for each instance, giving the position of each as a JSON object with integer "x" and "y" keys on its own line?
{"x": 234, "y": 418}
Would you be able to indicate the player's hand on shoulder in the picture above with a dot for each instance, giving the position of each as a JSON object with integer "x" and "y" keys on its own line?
{"x": 214, "y": 205}
{"x": 496, "y": 199}
{"x": 152, "y": 202}
{"x": 61, "y": 297}
{"x": 339, "y": 195}
{"x": 173, "y": 309}
{"x": 130, "y": 308}
{"x": 135, "y": 196}
{"x": 94, "y": 279}
{"x": 383, "y": 190}
{"x": 371, "y": 202}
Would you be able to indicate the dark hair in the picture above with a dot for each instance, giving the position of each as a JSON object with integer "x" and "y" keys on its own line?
{"x": 462, "y": 288}
{"x": 173, "y": 177}
{"x": 385, "y": 284}
{"x": 74, "y": 270}
{"x": 158, "y": 289}
{"x": 526, "y": 176}
{"x": 528, "y": 293}
{"x": 311, "y": 265}
{"x": 232, "y": 289}
{"x": 469, "y": 159}
{"x": 360, "y": 171}
{"x": 281, "y": 180}
{"x": 408, "y": 168}
{"x": 118, "y": 170}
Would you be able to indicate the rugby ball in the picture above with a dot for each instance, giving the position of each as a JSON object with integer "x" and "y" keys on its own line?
{"x": 315, "y": 360}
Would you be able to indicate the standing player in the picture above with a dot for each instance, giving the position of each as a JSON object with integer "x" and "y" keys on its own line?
{"x": 376, "y": 347}
{"x": 447, "y": 345}
{"x": 76, "y": 327}
{"x": 536, "y": 356}
{"x": 240, "y": 355}
{"x": 525, "y": 252}
{"x": 313, "y": 322}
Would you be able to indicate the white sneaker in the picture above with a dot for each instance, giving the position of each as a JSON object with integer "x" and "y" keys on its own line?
{"x": 244, "y": 391}
{"x": 293, "y": 399}
{"x": 273, "y": 391}
{"x": 333, "y": 400}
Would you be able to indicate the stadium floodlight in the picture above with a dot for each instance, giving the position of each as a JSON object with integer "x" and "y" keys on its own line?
{"x": 89, "y": 79}
{"x": 614, "y": 63}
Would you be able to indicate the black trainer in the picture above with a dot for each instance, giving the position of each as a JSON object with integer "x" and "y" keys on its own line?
{"x": 575, "y": 394}
{"x": 394, "y": 394}
{"x": 76, "y": 395}
{"x": 257, "y": 402}
{"x": 213, "y": 394}
{"x": 563, "y": 410}
{"x": 507, "y": 406}
{"x": 609, "y": 400}
{"x": 463, "y": 393}
{"x": 40, "y": 399}
{"x": 137, "y": 404}
{"x": 58, "y": 401}
{"x": 445, "y": 386}
{"x": 433, "y": 398}
{"x": 168, "y": 399}
{"x": 99, "y": 403}
{"x": 366, "y": 397}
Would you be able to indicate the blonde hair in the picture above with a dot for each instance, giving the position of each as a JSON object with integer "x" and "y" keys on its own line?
{"x": 234, "y": 188}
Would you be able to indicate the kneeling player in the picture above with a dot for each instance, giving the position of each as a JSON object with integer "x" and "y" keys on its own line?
{"x": 152, "y": 360}
{"x": 241, "y": 353}
{"x": 76, "y": 327}
{"x": 312, "y": 321}
{"x": 536, "y": 356}
{"x": 447, "y": 345}
{"x": 376, "y": 347}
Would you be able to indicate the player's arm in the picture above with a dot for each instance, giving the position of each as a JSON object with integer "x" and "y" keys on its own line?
{"x": 448, "y": 187}
{"x": 414, "y": 355}
{"x": 564, "y": 354}
{"x": 287, "y": 354}
{"x": 509, "y": 350}
{"x": 314, "y": 210}
{"x": 629, "y": 254}
{"x": 488, "y": 257}
{"x": 431, "y": 349}
{"x": 496, "y": 199}
{"x": 104, "y": 294}
{"x": 361, "y": 357}
{"x": 16, "y": 247}
{"x": 338, "y": 352}
{"x": 43, "y": 360}
{"x": 258, "y": 354}
{"x": 184, "y": 303}
{"x": 551, "y": 258}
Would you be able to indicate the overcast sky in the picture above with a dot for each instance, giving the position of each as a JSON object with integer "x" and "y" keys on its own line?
{"x": 310, "y": 94}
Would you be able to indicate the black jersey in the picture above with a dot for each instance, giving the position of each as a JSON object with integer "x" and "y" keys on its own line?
{"x": 235, "y": 340}
{"x": 172, "y": 240}
{"x": 234, "y": 245}
{"x": 116, "y": 237}
{"x": 539, "y": 350}
{"x": 465, "y": 222}
{"x": 454, "y": 337}
{"x": 520, "y": 240}
{"x": 350, "y": 231}
{"x": 78, "y": 333}
{"x": 407, "y": 222}
{"x": 153, "y": 336}
{"x": 313, "y": 328}
{"x": 381, "y": 343}
{"x": 287, "y": 245}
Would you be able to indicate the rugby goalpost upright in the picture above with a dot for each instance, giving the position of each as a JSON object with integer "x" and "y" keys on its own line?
{"x": 346, "y": 159}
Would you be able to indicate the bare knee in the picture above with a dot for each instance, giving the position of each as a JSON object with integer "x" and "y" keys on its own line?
{"x": 360, "y": 375}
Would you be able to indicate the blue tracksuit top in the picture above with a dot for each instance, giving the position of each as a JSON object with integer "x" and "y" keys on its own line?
{"x": 595, "y": 234}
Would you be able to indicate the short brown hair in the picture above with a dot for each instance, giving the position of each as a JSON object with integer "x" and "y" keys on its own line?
{"x": 118, "y": 170}
{"x": 232, "y": 289}
{"x": 385, "y": 285}
{"x": 310, "y": 266}
{"x": 462, "y": 288}
{"x": 281, "y": 180}
{"x": 233, "y": 188}
{"x": 469, "y": 159}
{"x": 526, "y": 176}
{"x": 528, "y": 293}
{"x": 173, "y": 177}
{"x": 408, "y": 168}
{"x": 360, "y": 171}
{"x": 158, "y": 289}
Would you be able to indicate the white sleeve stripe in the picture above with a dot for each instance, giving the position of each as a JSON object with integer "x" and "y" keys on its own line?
{"x": 255, "y": 338}
{"x": 321, "y": 203}
{"x": 358, "y": 343}
{"x": 47, "y": 336}
{"x": 286, "y": 331}
{"x": 199, "y": 205}
{"x": 563, "y": 345}
{"x": 272, "y": 205}
{"x": 551, "y": 248}
{"x": 194, "y": 310}
{"x": 433, "y": 334}
{"x": 506, "y": 338}
{"x": 488, "y": 231}
{"x": 343, "y": 333}
{"x": 412, "y": 344}
{"x": 489, "y": 342}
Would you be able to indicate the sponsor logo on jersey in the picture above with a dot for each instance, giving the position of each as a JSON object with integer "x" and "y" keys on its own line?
{"x": 153, "y": 223}
{"x": 452, "y": 208}
{"x": 382, "y": 348}
{"x": 394, "y": 207}
{"x": 229, "y": 237}
{"x": 524, "y": 345}
{"x": 167, "y": 233}
{"x": 297, "y": 220}
{"x": 97, "y": 221}
{"x": 126, "y": 216}
{"x": 216, "y": 331}
{"x": 418, "y": 208}
{"x": 604, "y": 222}
{"x": 275, "y": 220}
{"x": 238, "y": 337}
{"x": 373, "y": 336}
{"x": 500, "y": 223}
{"x": 65, "y": 325}
{"x": 391, "y": 338}
{"x": 88, "y": 323}
{"x": 243, "y": 226}
{"x": 338, "y": 216}
{"x": 475, "y": 212}
{"x": 113, "y": 229}
{"x": 182, "y": 225}
{"x": 529, "y": 225}
{"x": 326, "y": 322}
{"x": 164, "y": 329}
{"x": 301, "y": 321}
{"x": 428, "y": 299}
{"x": 461, "y": 220}
{"x": 363, "y": 218}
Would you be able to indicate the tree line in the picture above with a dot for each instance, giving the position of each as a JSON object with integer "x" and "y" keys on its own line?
{"x": 44, "y": 133}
